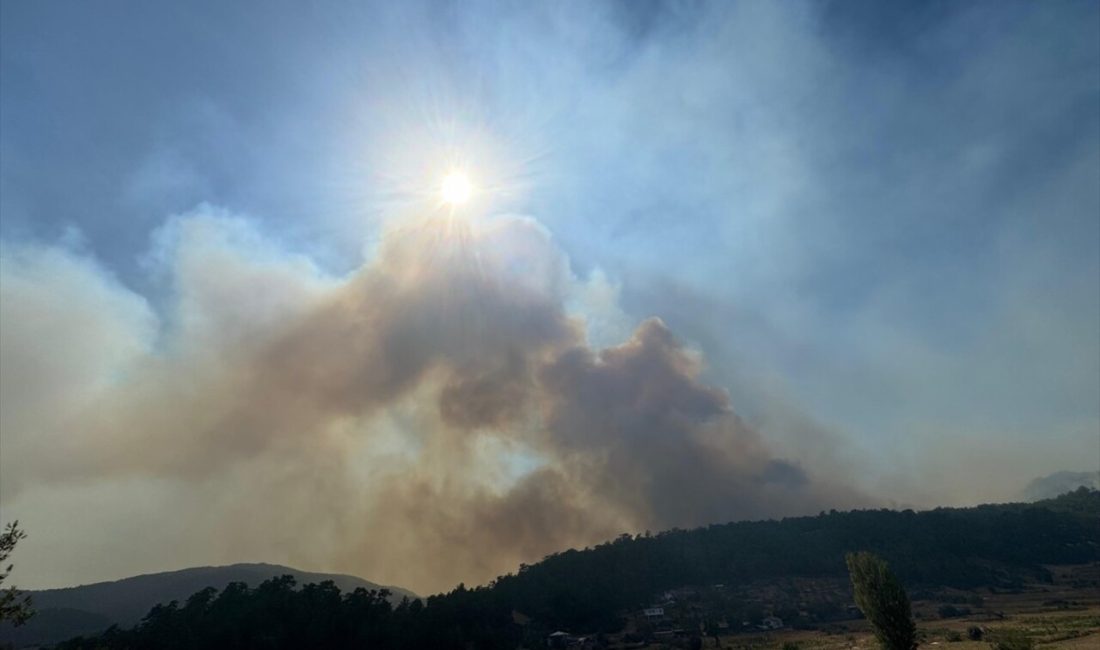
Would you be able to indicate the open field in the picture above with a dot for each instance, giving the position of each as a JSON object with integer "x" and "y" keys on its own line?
{"x": 1052, "y": 629}
{"x": 1071, "y": 630}
{"x": 1063, "y": 614}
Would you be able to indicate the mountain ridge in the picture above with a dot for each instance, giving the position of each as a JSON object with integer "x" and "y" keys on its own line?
{"x": 64, "y": 612}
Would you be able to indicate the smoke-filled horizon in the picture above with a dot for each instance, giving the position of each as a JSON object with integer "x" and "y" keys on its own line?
{"x": 434, "y": 417}
{"x": 715, "y": 261}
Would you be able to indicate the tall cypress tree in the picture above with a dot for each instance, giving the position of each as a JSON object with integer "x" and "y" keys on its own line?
{"x": 882, "y": 600}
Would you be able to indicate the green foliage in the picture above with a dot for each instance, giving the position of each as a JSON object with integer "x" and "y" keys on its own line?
{"x": 882, "y": 600}
{"x": 12, "y": 608}
{"x": 953, "y": 636}
{"x": 1010, "y": 638}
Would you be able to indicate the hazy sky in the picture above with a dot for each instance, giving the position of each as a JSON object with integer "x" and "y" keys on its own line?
{"x": 728, "y": 260}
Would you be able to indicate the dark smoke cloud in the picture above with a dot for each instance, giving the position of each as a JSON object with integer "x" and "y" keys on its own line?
{"x": 671, "y": 450}
{"x": 436, "y": 417}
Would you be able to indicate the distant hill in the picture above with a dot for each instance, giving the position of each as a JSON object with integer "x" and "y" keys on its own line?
{"x": 1051, "y": 485}
{"x": 65, "y": 613}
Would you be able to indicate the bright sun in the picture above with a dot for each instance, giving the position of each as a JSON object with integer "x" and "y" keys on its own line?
{"x": 456, "y": 188}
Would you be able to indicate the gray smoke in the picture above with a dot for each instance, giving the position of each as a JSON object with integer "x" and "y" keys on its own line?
{"x": 436, "y": 416}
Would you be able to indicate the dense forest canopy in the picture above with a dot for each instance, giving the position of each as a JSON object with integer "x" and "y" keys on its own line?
{"x": 991, "y": 545}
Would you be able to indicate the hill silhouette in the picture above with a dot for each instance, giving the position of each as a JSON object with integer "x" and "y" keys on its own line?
{"x": 1000, "y": 546}
{"x": 68, "y": 612}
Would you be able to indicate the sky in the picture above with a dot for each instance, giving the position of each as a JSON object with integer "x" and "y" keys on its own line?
{"x": 722, "y": 261}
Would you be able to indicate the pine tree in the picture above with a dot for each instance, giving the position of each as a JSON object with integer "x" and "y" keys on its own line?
{"x": 12, "y": 608}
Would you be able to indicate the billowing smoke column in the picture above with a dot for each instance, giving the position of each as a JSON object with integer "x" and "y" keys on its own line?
{"x": 436, "y": 416}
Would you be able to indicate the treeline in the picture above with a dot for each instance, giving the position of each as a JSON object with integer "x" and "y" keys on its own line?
{"x": 277, "y": 614}
{"x": 588, "y": 590}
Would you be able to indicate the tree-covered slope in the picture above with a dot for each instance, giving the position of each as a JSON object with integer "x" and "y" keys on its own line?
{"x": 963, "y": 547}
{"x": 63, "y": 613}
{"x": 589, "y": 589}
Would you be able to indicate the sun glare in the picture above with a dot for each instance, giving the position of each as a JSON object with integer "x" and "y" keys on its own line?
{"x": 456, "y": 188}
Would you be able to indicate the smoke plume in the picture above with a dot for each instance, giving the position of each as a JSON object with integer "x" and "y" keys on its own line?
{"x": 436, "y": 416}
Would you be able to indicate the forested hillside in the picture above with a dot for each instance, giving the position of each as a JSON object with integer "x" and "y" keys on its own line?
{"x": 987, "y": 545}
{"x": 64, "y": 613}
{"x": 998, "y": 545}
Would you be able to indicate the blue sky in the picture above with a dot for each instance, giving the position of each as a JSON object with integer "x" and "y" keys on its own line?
{"x": 877, "y": 224}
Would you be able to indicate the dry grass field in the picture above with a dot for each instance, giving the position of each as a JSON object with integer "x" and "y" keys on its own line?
{"x": 1075, "y": 630}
